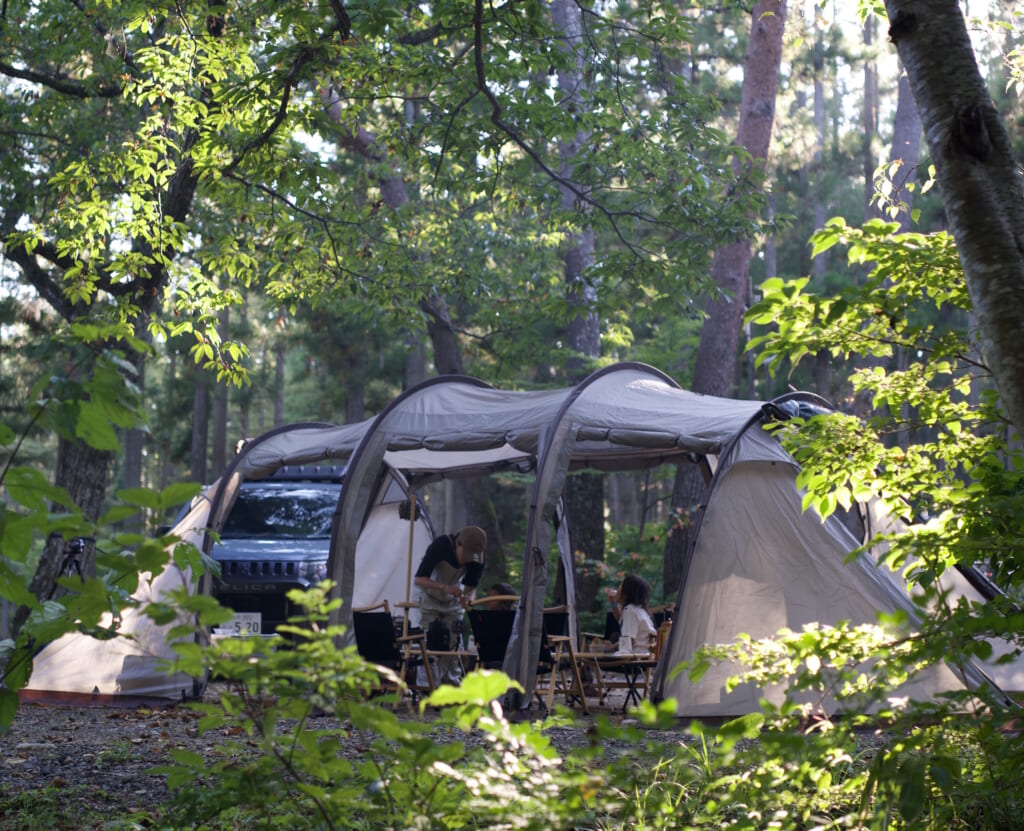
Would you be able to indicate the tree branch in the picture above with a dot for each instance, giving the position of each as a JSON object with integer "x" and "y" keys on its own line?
{"x": 305, "y": 55}
{"x": 60, "y": 84}
{"x": 498, "y": 121}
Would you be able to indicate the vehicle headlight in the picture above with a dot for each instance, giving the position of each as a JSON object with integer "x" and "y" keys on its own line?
{"x": 313, "y": 570}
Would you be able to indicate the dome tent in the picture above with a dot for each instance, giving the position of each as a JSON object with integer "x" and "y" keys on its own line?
{"x": 758, "y": 561}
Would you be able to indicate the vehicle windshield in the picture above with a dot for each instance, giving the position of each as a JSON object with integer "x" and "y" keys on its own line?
{"x": 301, "y": 510}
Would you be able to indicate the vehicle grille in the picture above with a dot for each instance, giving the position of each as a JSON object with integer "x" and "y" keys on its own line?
{"x": 242, "y": 569}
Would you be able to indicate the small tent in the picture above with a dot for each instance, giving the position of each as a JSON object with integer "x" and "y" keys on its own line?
{"x": 132, "y": 668}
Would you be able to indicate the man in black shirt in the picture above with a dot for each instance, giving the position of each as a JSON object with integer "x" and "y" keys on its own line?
{"x": 447, "y": 578}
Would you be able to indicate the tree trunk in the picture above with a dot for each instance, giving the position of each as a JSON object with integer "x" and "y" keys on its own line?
{"x": 822, "y": 361}
{"x": 584, "y": 492}
{"x": 219, "y": 450}
{"x": 447, "y": 354}
{"x": 166, "y": 466}
{"x": 977, "y": 178}
{"x": 280, "y": 360}
{"x": 244, "y": 403}
{"x": 821, "y": 260}
{"x": 870, "y": 118}
{"x": 687, "y": 495}
{"x": 906, "y": 149}
{"x": 134, "y": 441}
{"x": 719, "y": 338}
{"x": 355, "y": 389}
{"x": 715, "y": 369}
{"x": 415, "y": 360}
{"x": 200, "y": 429}
{"x": 83, "y": 471}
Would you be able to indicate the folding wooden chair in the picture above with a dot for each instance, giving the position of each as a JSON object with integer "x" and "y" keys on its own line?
{"x": 558, "y": 672}
{"x": 380, "y": 643}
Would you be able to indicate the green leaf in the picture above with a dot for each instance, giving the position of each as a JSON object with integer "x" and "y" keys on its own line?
{"x": 178, "y": 493}
{"x": 7, "y": 435}
{"x": 479, "y": 687}
{"x": 911, "y": 780}
{"x": 94, "y": 428}
{"x": 745, "y": 727}
{"x": 141, "y": 497}
{"x": 8, "y": 707}
{"x": 945, "y": 772}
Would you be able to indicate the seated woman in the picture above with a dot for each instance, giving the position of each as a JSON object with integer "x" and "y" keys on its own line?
{"x": 636, "y": 627}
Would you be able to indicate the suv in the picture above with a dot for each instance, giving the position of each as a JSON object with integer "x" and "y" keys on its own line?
{"x": 275, "y": 539}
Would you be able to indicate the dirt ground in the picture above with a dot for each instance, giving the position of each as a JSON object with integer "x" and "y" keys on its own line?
{"x": 102, "y": 757}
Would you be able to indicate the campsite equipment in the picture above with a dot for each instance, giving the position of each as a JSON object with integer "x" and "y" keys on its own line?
{"x": 756, "y": 561}
{"x": 378, "y": 641}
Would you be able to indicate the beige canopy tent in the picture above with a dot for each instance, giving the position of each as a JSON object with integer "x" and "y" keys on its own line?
{"x": 757, "y": 562}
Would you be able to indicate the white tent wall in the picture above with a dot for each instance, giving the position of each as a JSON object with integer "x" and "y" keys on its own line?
{"x": 761, "y": 564}
{"x": 1008, "y": 676}
{"x": 386, "y": 559}
{"x": 131, "y": 666}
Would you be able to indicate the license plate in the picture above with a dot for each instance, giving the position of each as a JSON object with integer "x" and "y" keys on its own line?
{"x": 243, "y": 623}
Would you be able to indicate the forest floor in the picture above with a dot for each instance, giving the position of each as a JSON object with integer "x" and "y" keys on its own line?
{"x": 75, "y": 767}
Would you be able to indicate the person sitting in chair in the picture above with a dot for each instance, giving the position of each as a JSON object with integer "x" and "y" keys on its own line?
{"x": 636, "y": 627}
{"x": 447, "y": 578}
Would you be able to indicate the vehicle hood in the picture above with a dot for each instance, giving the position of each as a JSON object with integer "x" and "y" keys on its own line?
{"x": 281, "y": 549}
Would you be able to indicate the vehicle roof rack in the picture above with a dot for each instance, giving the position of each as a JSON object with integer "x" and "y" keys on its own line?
{"x": 308, "y": 473}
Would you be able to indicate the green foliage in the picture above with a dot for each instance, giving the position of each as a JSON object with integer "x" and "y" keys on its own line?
{"x": 35, "y": 510}
{"x": 230, "y": 155}
{"x": 937, "y": 453}
{"x": 286, "y": 770}
{"x": 65, "y": 807}
{"x": 300, "y": 707}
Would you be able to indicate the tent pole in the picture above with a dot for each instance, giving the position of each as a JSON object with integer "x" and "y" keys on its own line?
{"x": 408, "y": 568}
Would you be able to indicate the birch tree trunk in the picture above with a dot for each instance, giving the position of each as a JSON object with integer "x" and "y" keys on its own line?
{"x": 977, "y": 178}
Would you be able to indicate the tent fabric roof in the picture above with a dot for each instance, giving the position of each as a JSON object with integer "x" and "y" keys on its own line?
{"x": 625, "y": 416}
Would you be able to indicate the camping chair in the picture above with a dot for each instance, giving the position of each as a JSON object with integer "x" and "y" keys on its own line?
{"x": 491, "y": 629}
{"x": 379, "y": 642}
{"x": 558, "y": 671}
